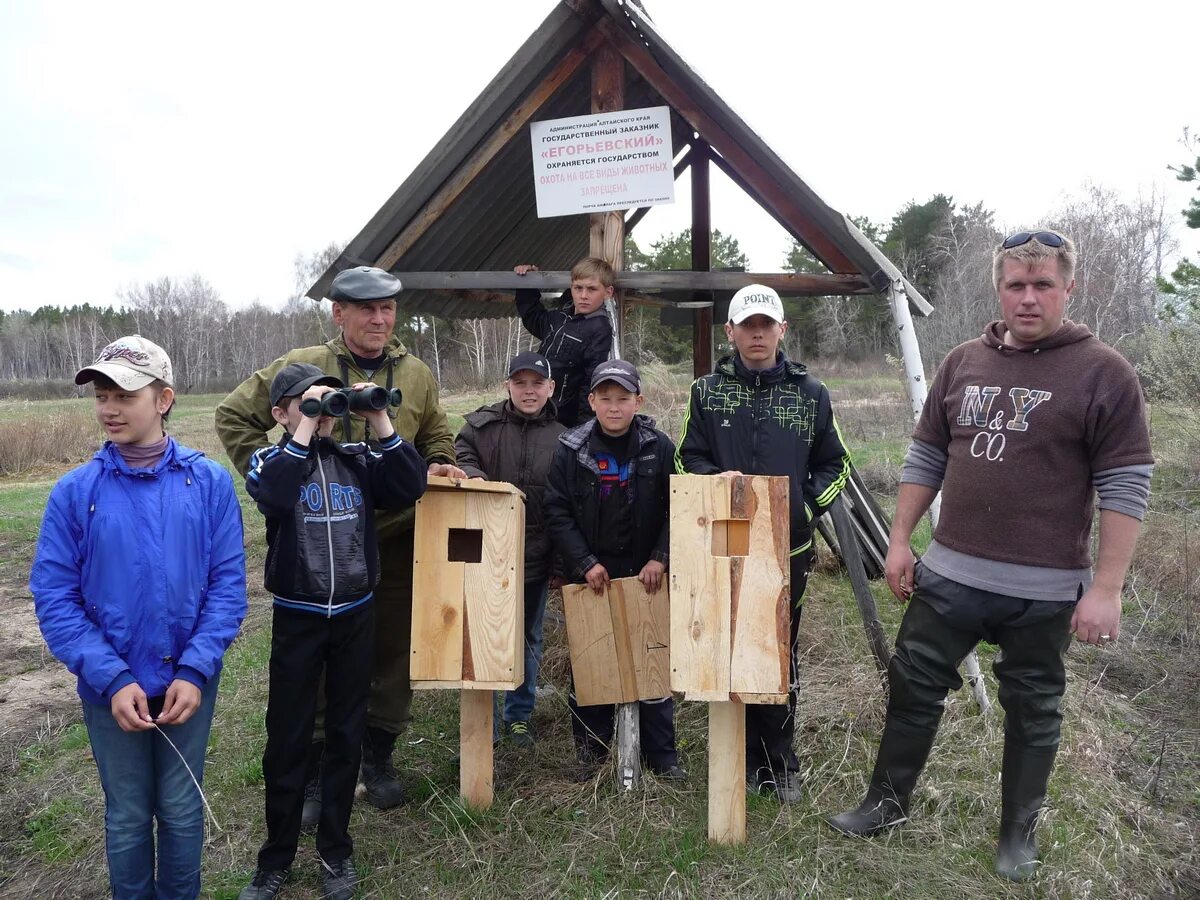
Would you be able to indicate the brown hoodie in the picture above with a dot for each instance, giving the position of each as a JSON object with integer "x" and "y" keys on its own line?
{"x": 1024, "y": 430}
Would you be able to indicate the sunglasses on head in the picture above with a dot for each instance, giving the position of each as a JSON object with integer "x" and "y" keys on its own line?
{"x": 1048, "y": 238}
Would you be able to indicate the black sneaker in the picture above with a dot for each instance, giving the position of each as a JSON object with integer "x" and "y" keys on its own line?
{"x": 671, "y": 773}
{"x": 339, "y": 880}
{"x": 264, "y": 885}
{"x": 310, "y": 815}
{"x": 520, "y": 734}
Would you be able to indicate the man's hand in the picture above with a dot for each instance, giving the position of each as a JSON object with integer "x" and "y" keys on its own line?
{"x": 131, "y": 709}
{"x": 651, "y": 575}
{"x": 1097, "y": 618}
{"x": 447, "y": 470}
{"x": 183, "y": 699}
{"x": 597, "y": 578}
{"x": 729, "y": 474}
{"x": 527, "y": 267}
{"x": 898, "y": 569}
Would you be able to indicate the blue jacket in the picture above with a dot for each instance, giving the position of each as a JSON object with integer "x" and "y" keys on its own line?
{"x": 140, "y": 574}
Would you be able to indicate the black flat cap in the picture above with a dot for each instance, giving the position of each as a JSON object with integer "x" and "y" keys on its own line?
{"x": 363, "y": 284}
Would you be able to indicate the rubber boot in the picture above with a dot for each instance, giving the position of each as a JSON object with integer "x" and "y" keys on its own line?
{"x": 902, "y": 755}
{"x": 382, "y": 788}
{"x": 310, "y": 814}
{"x": 1024, "y": 777}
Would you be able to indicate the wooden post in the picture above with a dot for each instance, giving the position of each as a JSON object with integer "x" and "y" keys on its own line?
{"x": 726, "y": 772}
{"x": 852, "y": 557}
{"x": 918, "y": 390}
{"x": 475, "y": 746}
{"x": 607, "y": 241}
{"x": 702, "y": 318}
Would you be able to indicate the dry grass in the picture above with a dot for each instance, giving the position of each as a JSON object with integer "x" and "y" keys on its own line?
{"x": 1123, "y": 820}
{"x": 32, "y": 438}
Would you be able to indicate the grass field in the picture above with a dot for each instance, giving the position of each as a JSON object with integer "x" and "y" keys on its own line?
{"x": 1123, "y": 821}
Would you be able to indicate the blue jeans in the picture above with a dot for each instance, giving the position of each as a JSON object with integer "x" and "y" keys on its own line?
{"x": 144, "y": 782}
{"x": 518, "y": 705}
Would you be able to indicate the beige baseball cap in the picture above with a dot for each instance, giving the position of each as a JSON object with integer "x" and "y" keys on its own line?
{"x": 132, "y": 362}
{"x": 755, "y": 299}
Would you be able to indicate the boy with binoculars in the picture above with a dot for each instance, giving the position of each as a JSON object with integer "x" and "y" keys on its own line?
{"x": 320, "y": 497}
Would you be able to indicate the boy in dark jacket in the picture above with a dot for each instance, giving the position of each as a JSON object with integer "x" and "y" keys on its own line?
{"x": 514, "y": 441}
{"x": 606, "y": 505}
{"x": 322, "y": 565}
{"x": 576, "y": 337}
{"x": 762, "y": 414}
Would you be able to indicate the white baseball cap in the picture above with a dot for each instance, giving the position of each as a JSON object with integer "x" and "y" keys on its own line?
{"x": 754, "y": 300}
{"x": 132, "y": 362}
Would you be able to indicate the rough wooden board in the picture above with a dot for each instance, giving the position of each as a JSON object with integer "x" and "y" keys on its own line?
{"x": 476, "y": 765}
{"x": 648, "y": 617}
{"x": 593, "y": 646}
{"x": 439, "y": 483}
{"x": 494, "y": 599}
{"x": 700, "y": 590}
{"x": 759, "y": 586}
{"x": 437, "y": 612}
{"x": 727, "y": 772}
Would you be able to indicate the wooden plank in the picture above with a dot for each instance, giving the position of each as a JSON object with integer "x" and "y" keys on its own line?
{"x": 727, "y": 772}
{"x": 476, "y": 765}
{"x": 494, "y": 619}
{"x": 700, "y": 590}
{"x": 466, "y": 173}
{"x": 759, "y": 605}
{"x": 702, "y": 318}
{"x": 648, "y": 620}
{"x": 788, "y": 284}
{"x": 593, "y": 646}
{"x": 442, "y": 483}
{"x": 436, "y": 653}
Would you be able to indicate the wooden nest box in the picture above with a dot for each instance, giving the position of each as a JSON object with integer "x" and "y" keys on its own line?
{"x": 468, "y": 621}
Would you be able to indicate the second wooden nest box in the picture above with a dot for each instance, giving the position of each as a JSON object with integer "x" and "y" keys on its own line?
{"x": 730, "y": 588}
{"x": 468, "y": 620}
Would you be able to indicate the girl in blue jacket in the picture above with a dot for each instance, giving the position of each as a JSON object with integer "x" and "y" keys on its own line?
{"x": 139, "y": 582}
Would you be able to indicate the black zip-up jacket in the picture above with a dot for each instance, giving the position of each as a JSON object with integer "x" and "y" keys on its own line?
{"x": 775, "y": 422}
{"x": 320, "y": 506}
{"x": 574, "y": 344}
{"x": 500, "y": 443}
{"x": 573, "y": 497}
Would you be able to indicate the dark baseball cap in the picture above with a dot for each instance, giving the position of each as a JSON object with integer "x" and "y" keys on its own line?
{"x": 296, "y": 378}
{"x": 362, "y": 284}
{"x": 534, "y": 362}
{"x": 623, "y": 373}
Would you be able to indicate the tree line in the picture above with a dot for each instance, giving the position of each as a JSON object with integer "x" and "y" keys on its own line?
{"x": 943, "y": 247}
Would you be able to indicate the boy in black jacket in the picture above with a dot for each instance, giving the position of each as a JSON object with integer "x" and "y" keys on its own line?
{"x": 606, "y": 505}
{"x": 760, "y": 413}
{"x": 576, "y": 337}
{"x": 514, "y": 441}
{"x": 322, "y": 565}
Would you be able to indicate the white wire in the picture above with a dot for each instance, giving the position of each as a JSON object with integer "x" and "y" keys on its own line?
{"x": 192, "y": 774}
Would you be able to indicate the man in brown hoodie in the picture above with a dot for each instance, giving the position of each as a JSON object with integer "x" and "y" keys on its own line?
{"x": 1024, "y": 427}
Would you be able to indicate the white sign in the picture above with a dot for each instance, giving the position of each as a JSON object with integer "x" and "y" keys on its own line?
{"x": 604, "y": 161}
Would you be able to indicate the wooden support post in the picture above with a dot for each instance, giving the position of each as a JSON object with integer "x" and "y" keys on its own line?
{"x": 475, "y": 748}
{"x": 852, "y": 556}
{"x": 702, "y": 318}
{"x": 607, "y": 241}
{"x": 727, "y": 772}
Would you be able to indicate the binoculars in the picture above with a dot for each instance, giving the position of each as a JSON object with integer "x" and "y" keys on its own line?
{"x": 339, "y": 402}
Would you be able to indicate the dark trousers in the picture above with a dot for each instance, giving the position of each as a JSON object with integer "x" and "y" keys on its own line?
{"x": 389, "y": 706}
{"x": 771, "y": 727}
{"x": 592, "y": 726}
{"x": 303, "y": 645}
{"x": 943, "y": 623}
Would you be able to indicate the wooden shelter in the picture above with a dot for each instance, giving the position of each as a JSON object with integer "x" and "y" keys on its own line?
{"x": 467, "y": 214}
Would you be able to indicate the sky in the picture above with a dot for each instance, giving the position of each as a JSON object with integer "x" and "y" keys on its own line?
{"x": 147, "y": 139}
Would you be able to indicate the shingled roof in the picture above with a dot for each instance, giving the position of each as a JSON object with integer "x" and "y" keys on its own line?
{"x": 469, "y": 206}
